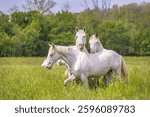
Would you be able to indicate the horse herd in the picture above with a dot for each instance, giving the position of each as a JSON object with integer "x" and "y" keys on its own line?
{"x": 83, "y": 65}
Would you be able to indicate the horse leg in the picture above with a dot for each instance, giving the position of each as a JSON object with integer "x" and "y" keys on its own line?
{"x": 108, "y": 78}
{"x": 118, "y": 73}
{"x": 105, "y": 80}
{"x": 85, "y": 80}
{"x": 68, "y": 72}
{"x": 71, "y": 78}
{"x": 96, "y": 82}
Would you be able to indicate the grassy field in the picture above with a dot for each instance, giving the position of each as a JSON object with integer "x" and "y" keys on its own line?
{"x": 23, "y": 78}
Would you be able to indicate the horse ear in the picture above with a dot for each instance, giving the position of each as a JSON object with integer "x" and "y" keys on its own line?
{"x": 49, "y": 44}
{"x": 53, "y": 46}
{"x": 96, "y": 34}
{"x": 76, "y": 29}
{"x": 84, "y": 28}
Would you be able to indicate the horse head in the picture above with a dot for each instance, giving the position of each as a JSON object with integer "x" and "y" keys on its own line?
{"x": 95, "y": 44}
{"x": 80, "y": 38}
{"x": 52, "y": 57}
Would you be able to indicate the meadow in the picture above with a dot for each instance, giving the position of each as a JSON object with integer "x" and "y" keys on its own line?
{"x": 24, "y": 79}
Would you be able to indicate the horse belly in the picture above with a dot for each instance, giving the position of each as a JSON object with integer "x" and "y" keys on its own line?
{"x": 99, "y": 70}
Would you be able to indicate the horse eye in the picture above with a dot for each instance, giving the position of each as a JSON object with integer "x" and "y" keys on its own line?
{"x": 76, "y": 37}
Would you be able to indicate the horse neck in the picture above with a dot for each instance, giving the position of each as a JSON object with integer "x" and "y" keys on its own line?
{"x": 62, "y": 49}
{"x": 101, "y": 47}
{"x": 65, "y": 55}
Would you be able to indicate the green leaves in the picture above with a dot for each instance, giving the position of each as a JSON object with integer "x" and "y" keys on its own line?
{"x": 126, "y": 30}
{"x": 114, "y": 36}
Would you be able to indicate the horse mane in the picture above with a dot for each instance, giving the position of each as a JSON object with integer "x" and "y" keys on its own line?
{"x": 62, "y": 49}
{"x": 101, "y": 46}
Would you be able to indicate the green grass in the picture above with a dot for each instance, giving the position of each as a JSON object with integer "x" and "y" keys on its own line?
{"x": 23, "y": 78}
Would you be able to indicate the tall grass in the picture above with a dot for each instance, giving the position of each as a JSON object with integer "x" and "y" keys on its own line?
{"x": 23, "y": 78}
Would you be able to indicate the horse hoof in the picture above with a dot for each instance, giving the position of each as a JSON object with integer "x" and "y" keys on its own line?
{"x": 65, "y": 84}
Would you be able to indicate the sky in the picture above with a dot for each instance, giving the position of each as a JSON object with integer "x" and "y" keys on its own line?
{"x": 75, "y": 5}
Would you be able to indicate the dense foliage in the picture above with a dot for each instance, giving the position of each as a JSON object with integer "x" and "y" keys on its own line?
{"x": 125, "y": 29}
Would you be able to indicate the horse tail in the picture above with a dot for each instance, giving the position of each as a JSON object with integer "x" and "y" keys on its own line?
{"x": 124, "y": 70}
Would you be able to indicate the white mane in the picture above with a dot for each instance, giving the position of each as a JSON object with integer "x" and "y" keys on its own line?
{"x": 62, "y": 49}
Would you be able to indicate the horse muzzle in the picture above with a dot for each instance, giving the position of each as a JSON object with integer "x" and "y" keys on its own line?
{"x": 81, "y": 47}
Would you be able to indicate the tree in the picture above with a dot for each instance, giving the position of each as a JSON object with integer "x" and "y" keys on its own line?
{"x": 90, "y": 19}
{"x": 105, "y": 7}
{"x": 43, "y": 6}
{"x": 114, "y": 35}
{"x": 95, "y": 4}
{"x": 66, "y": 7}
{"x": 63, "y": 29}
{"x": 5, "y": 45}
{"x": 23, "y": 19}
{"x": 86, "y": 5}
{"x": 15, "y": 8}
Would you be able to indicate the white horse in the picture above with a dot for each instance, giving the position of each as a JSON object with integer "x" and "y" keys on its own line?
{"x": 96, "y": 46}
{"x": 83, "y": 65}
{"x": 79, "y": 45}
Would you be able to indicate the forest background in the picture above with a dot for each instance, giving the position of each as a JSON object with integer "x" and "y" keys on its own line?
{"x": 125, "y": 29}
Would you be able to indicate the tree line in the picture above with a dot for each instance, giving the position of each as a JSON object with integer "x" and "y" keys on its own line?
{"x": 125, "y": 29}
